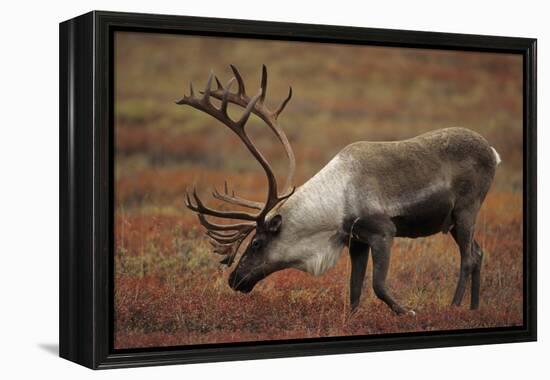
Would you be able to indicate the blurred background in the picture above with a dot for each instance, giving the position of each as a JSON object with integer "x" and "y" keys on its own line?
{"x": 169, "y": 289}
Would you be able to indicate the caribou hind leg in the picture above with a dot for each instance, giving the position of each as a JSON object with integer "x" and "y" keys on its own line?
{"x": 359, "y": 255}
{"x": 476, "y": 276}
{"x": 470, "y": 258}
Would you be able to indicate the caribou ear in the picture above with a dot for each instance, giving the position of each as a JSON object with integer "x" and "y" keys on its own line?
{"x": 275, "y": 223}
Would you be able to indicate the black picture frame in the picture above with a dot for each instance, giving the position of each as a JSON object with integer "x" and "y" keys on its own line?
{"x": 86, "y": 188}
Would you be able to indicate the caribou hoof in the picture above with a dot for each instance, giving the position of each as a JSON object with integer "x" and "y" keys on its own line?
{"x": 402, "y": 311}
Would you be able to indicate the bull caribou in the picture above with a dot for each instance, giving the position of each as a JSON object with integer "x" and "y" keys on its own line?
{"x": 367, "y": 195}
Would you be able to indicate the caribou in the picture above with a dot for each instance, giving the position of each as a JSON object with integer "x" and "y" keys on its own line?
{"x": 369, "y": 194}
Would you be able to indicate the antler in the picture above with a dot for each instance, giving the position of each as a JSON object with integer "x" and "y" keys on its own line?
{"x": 228, "y": 242}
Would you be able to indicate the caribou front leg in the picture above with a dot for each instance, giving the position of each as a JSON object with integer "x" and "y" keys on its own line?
{"x": 359, "y": 255}
{"x": 381, "y": 250}
{"x": 378, "y": 231}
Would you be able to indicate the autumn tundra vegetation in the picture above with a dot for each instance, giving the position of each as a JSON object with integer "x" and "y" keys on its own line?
{"x": 169, "y": 286}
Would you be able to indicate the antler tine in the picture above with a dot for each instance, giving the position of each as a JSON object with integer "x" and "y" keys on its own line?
{"x": 233, "y": 199}
{"x": 241, "y": 91}
{"x": 237, "y": 200}
{"x": 227, "y": 261}
{"x": 202, "y": 209}
{"x": 224, "y": 234}
{"x": 223, "y": 248}
{"x": 207, "y": 89}
{"x": 248, "y": 110}
{"x": 218, "y": 83}
{"x": 225, "y": 95}
{"x": 224, "y": 239}
{"x": 263, "y": 84}
{"x": 242, "y": 227}
{"x": 283, "y": 104}
{"x": 220, "y": 248}
{"x": 187, "y": 99}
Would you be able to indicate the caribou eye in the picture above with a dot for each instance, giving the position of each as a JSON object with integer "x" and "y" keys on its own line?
{"x": 256, "y": 244}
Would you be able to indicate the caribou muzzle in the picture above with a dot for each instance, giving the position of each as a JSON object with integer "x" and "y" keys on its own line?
{"x": 241, "y": 283}
{"x": 250, "y": 271}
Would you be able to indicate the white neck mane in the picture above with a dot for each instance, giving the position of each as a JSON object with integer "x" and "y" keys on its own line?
{"x": 312, "y": 220}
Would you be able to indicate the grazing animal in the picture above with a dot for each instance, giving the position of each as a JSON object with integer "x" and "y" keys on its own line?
{"x": 367, "y": 195}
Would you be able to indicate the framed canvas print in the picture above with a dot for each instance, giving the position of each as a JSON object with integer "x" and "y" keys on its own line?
{"x": 237, "y": 189}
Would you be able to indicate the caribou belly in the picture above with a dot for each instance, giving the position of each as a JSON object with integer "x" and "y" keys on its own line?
{"x": 425, "y": 216}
